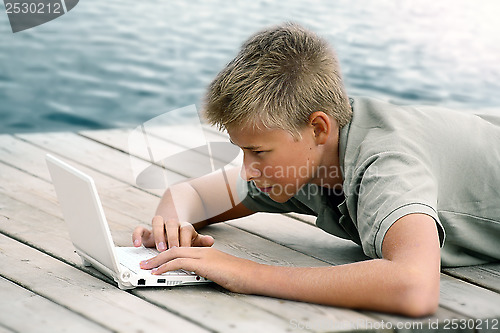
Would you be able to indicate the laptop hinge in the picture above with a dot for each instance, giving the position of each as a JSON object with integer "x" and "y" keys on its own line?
{"x": 122, "y": 277}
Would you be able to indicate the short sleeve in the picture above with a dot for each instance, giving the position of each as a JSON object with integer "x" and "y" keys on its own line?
{"x": 386, "y": 188}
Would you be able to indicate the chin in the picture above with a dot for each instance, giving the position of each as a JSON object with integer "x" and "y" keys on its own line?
{"x": 283, "y": 193}
{"x": 280, "y": 198}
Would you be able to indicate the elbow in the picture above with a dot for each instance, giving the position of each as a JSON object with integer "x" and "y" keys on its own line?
{"x": 420, "y": 307}
{"x": 420, "y": 297}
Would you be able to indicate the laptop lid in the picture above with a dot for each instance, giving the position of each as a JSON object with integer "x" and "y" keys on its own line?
{"x": 82, "y": 211}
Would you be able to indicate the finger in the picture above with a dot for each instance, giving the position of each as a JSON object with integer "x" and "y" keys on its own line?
{"x": 172, "y": 226}
{"x": 159, "y": 233}
{"x": 170, "y": 254}
{"x": 203, "y": 241}
{"x": 137, "y": 236}
{"x": 187, "y": 264}
{"x": 187, "y": 234}
{"x": 141, "y": 236}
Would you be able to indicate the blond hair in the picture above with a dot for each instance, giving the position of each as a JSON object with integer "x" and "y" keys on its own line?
{"x": 278, "y": 79}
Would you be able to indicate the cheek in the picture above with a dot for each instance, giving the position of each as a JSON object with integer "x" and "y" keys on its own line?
{"x": 292, "y": 165}
{"x": 295, "y": 171}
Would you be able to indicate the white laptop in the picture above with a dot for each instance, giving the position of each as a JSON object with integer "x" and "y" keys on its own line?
{"x": 89, "y": 232}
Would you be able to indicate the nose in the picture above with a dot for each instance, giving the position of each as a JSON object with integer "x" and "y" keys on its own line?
{"x": 250, "y": 170}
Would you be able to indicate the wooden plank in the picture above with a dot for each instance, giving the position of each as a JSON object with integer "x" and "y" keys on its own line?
{"x": 177, "y": 135}
{"x": 136, "y": 204}
{"x": 36, "y": 228}
{"x": 317, "y": 318}
{"x": 159, "y": 150}
{"x": 83, "y": 294}
{"x": 75, "y": 148}
{"x": 40, "y": 193}
{"x": 133, "y": 201}
{"x": 31, "y": 155}
{"x": 296, "y": 316}
{"x": 182, "y": 157}
{"x": 301, "y": 237}
{"x": 4, "y": 329}
{"x": 183, "y": 136}
{"x": 487, "y": 276}
{"x": 469, "y": 299}
{"x": 440, "y": 322}
{"x": 24, "y": 311}
{"x": 45, "y": 232}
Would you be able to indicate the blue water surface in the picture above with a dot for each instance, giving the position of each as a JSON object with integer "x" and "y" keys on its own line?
{"x": 118, "y": 63}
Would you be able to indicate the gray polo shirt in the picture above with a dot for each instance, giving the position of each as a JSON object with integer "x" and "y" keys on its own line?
{"x": 399, "y": 160}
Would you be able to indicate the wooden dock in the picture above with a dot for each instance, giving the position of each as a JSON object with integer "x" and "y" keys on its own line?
{"x": 45, "y": 288}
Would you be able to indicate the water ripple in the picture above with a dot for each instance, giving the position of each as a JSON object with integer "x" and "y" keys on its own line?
{"x": 121, "y": 62}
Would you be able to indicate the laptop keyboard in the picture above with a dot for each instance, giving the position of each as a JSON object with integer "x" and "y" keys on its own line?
{"x": 130, "y": 257}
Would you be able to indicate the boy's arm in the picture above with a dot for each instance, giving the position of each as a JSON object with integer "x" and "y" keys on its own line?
{"x": 405, "y": 281}
{"x": 189, "y": 206}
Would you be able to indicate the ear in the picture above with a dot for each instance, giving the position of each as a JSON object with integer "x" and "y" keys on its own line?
{"x": 322, "y": 125}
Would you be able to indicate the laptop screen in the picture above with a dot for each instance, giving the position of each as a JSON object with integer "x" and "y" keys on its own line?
{"x": 82, "y": 211}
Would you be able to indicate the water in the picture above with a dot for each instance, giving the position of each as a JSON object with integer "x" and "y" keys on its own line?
{"x": 118, "y": 63}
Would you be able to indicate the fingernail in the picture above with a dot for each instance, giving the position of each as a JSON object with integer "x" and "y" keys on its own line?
{"x": 154, "y": 270}
{"x": 143, "y": 263}
{"x": 137, "y": 243}
{"x": 161, "y": 246}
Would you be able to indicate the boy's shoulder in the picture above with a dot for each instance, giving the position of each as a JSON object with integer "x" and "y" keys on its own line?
{"x": 385, "y": 136}
{"x": 372, "y": 113}
{"x": 380, "y": 126}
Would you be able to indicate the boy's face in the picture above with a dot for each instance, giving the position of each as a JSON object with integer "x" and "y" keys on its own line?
{"x": 275, "y": 161}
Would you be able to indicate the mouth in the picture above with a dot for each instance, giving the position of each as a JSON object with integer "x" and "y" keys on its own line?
{"x": 265, "y": 189}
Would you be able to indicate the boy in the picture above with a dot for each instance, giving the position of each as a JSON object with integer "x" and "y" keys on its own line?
{"x": 393, "y": 179}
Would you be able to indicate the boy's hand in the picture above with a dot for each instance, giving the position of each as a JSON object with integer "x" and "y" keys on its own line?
{"x": 177, "y": 234}
{"x": 224, "y": 269}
